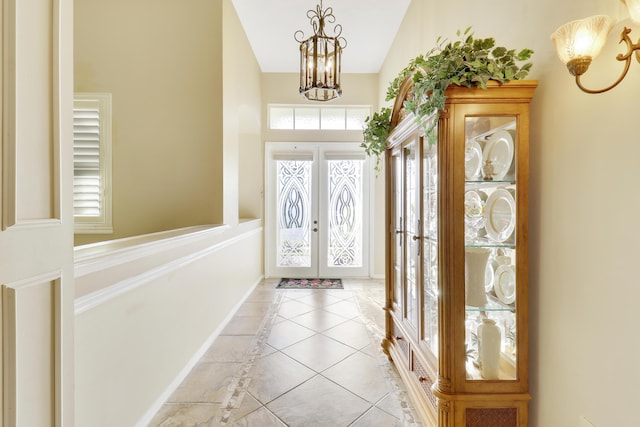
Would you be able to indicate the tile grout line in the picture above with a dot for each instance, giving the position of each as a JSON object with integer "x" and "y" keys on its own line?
{"x": 238, "y": 387}
{"x": 408, "y": 418}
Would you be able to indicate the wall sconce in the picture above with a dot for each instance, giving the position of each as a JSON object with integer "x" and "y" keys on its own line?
{"x": 579, "y": 42}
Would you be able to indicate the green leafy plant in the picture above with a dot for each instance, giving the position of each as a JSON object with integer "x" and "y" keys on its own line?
{"x": 376, "y": 131}
{"x": 467, "y": 62}
{"x": 394, "y": 86}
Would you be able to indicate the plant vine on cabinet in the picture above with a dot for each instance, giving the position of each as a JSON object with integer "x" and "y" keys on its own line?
{"x": 456, "y": 297}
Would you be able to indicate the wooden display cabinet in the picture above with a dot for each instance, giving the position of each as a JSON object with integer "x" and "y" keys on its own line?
{"x": 456, "y": 248}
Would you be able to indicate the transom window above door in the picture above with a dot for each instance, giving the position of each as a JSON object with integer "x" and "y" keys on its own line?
{"x": 303, "y": 117}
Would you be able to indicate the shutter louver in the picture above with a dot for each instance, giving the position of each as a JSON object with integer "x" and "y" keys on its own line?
{"x": 87, "y": 198}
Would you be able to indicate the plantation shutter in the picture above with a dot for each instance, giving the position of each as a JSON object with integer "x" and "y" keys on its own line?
{"x": 87, "y": 198}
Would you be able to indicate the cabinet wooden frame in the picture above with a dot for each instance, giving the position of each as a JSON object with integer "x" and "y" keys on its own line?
{"x": 453, "y": 399}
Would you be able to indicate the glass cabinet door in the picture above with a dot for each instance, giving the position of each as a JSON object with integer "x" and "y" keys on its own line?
{"x": 398, "y": 226}
{"x": 412, "y": 227}
{"x": 490, "y": 218}
{"x": 430, "y": 246}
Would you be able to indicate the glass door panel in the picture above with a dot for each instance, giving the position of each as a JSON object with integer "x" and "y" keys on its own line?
{"x": 430, "y": 246}
{"x": 490, "y": 217}
{"x": 294, "y": 206}
{"x": 412, "y": 215}
{"x": 345, "y": 198}
{"x": 398, "y": 225}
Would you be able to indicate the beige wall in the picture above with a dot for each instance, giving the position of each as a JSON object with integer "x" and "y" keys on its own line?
{"x": 583, "y": 209}
{"x": 180, "y": 115}
{"x": 243, "y": 151}
{"x": 162, "y": 63}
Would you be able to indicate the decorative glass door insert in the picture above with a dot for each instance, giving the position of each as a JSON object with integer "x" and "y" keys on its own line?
{"x": 317, "y": 210}
{"x": 293, "y": 203}
{"x": 345, "y": 213}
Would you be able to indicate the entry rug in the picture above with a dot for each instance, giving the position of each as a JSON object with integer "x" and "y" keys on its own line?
{"x": 310, "y": 284}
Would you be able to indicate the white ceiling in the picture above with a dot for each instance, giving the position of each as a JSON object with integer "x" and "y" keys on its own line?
{"x": 369, "y": 26}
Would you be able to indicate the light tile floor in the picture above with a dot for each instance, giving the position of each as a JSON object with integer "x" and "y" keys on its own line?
{"x": 296, "y": 358}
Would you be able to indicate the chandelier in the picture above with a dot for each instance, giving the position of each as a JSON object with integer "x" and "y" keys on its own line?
{"x": 320, "y": 57}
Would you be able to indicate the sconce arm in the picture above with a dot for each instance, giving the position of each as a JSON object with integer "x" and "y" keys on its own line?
{"x": 626, "y": 57}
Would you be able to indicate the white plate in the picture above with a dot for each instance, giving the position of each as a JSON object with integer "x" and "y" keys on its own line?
{"x": 472, "y": 160}
{"x": 505, "y": 284}
{"x": 489, "y": 277}
{"x": 499, "y": 149}
{"x": 500, "y": 215}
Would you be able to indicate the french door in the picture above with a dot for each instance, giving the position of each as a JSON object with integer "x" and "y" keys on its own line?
{"x": 317, "y": 210}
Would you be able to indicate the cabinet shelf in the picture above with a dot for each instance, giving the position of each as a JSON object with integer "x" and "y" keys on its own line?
{"x": 493, "y": 305}
{"x": 485, "y": 184}
{"x": 484, "y": 243}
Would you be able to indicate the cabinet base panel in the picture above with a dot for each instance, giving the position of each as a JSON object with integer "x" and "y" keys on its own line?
{"x": 483, "y": 411}
{"x": 422, "y": 406}
{"x": 479, "y": 417}
{"x": 456, "y": 410}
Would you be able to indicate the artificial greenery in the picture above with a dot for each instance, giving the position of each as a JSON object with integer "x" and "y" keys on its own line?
{"x": 375, "y": 133}
{"x": 394, "y": 86}
{"x": 467, "y": 62}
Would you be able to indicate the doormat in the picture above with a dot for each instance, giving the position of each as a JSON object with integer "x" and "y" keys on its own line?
{"x": 310, "y": 284}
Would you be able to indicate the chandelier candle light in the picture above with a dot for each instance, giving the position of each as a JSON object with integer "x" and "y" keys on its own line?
{"x": 320, "y": 57}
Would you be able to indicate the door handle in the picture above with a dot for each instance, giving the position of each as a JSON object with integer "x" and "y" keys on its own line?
{"x": 417, "y": 237}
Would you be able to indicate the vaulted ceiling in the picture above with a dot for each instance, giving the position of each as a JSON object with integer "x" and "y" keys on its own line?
{"x": 369, "y": 26}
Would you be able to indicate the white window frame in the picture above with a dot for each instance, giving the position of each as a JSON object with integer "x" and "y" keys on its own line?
{"x": 320, "y": 109}
{"x": 102, "y": 223}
